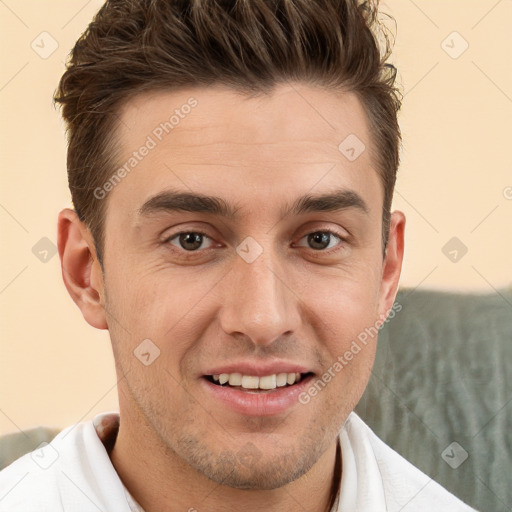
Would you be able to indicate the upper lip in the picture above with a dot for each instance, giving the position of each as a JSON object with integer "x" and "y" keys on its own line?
{"x": 258, "y": 369}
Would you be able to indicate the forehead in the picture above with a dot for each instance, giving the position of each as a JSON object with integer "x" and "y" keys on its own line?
{"x": 216, "y": 114}
{"x": 213, "y": 140}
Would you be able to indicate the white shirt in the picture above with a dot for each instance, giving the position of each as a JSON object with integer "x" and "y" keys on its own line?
{"x": 74, "y": 474}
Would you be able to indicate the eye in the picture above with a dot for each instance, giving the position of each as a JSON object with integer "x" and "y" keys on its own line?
{"x": 193, "y": 241}
{"x": 322, "y": 240}
{"x": 189, "y": 241}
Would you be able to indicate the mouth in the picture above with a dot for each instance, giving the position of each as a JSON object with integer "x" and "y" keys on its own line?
{"x": 266, "y": 394}
{"x": 257, "y": 384}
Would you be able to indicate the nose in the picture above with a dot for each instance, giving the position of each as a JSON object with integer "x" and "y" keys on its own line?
{"x": 258, "y": 300}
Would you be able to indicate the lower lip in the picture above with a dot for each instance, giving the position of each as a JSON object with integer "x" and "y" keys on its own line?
{"x": 262, "y": 403}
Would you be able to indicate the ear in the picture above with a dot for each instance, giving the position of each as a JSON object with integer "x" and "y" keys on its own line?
{"x": 392, "y": 266}
{"x": 81, "y": 270}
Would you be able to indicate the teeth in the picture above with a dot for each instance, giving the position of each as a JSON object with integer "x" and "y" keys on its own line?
{"x": 249, "y": 382}
{"x": 252, "y": 382}
{"x": 268, "y": 382}
{"x": 235, "y": 379}
{"x": 281, "y": 379}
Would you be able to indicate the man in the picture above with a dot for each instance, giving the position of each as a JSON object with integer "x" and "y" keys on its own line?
{"x": 231, "y": 165}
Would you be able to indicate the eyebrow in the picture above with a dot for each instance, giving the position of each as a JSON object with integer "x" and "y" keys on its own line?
{"x": 341, "y": 199}
{"x": 173, "y": 201}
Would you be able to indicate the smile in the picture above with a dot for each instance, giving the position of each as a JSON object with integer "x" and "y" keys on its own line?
{"x": 251, "y": 395}
{"x": 264, "y": 382}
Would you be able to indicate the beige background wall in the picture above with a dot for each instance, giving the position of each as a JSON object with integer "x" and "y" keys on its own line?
{"x": 455, "y": 181}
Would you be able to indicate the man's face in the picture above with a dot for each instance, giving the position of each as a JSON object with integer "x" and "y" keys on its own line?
{"x": 263, "y": 291}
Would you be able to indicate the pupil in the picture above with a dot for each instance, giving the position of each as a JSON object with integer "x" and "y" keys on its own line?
{"x": 195, "y": 239}
{"x": 319, "y": 238}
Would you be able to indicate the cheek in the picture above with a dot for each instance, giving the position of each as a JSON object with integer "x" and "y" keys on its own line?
{"x": 347, "y": 301}
{"x": 152, "y": 300}
{"x": 343, "y": 313}
{"x": 167, "y": 308}
{"x": 348, "y": 332}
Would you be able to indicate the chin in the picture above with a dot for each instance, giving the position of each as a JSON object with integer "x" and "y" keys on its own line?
{"x": 250, "y": 468}
{"x": 268, "y": 476}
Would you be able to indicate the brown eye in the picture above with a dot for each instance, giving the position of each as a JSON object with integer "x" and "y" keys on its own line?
{"x": 189, "y": 241}
{"x": 319, "y": 240}
{"x": 322, "y": 240}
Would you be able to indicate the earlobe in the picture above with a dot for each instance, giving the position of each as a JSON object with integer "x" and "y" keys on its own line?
{"x": 81, "y": 270}
{"x": 392, "y": 266}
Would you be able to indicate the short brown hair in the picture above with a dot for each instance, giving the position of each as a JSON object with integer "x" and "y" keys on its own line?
{"x": 134, "y": 46}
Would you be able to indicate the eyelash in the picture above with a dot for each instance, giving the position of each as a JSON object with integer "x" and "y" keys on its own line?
{"x": 337, "y": 235}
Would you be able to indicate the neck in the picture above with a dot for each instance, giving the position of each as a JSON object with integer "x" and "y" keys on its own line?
{"x": 160, "y": 481}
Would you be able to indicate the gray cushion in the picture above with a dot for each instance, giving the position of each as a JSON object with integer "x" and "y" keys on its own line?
{"x": 13, "y": 446}
{"x": 443, "y": 374}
